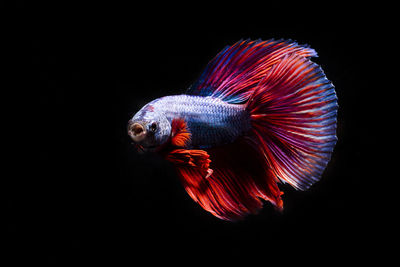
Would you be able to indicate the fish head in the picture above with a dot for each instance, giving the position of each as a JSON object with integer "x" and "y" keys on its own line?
{"x": 149, "y": 129}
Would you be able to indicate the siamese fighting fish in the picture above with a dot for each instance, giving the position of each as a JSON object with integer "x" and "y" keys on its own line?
{"x": 260, "y": 114}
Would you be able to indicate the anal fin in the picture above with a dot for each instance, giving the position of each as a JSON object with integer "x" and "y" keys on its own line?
{"x": 239, "y": 179}
{"x": 196, "y": 159}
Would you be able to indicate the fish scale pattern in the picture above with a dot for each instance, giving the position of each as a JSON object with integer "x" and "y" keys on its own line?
{"x": 211, "y": 121}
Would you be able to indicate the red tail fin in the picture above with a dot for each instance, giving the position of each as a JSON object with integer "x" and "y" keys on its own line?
{"x": 293, "y": 115}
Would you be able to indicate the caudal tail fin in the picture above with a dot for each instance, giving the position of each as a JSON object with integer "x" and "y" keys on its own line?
{"x": 293, "y": 115}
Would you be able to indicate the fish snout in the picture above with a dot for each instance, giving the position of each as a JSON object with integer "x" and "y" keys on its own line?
{"x": 136, "y": 131}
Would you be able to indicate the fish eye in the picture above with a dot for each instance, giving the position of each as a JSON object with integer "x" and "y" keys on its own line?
{"x": 153, "y": 126}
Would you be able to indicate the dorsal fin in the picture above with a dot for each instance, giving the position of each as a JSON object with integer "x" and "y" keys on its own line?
{"x": 236, "y": 70}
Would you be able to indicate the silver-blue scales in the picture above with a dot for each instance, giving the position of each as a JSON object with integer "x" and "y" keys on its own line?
{"x": 211, "y": 121}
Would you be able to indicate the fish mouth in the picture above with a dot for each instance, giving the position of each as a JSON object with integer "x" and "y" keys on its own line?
{"x": 136, "y": 131}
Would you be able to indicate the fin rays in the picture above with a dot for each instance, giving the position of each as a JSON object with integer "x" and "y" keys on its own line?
{"x": 293, "y": 113}
{"x": 236, "y": 184}
{"x": 234, "y": 73}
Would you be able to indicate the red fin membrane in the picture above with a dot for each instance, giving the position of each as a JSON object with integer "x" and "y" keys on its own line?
{"x": 197, "y": 159}
{"x": 180, "y": 133}
{"x": 236, "y": 70}
{"x": 233, "y": 189}
{"x": 293, "y": 115}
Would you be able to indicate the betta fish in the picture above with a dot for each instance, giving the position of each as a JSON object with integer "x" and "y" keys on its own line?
{"x": 261, "y": 113}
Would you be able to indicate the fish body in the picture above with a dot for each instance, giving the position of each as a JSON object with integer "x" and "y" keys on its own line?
{"x": 211, "y": 121}
{"x": 260, "y": 114}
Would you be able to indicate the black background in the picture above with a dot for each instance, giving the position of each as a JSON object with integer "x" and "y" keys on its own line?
{"x": 89, "y": 195}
